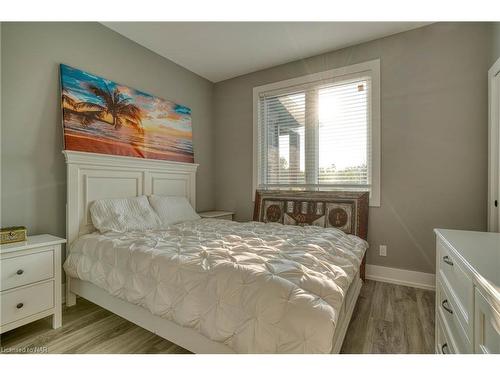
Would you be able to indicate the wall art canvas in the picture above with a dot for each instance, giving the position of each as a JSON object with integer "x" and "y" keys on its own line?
{"x": 105, "y": 117}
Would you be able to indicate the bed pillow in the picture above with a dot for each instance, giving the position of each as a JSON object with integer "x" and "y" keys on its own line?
{"x": 172, "y": 210}
{"x": 123, "y": 214}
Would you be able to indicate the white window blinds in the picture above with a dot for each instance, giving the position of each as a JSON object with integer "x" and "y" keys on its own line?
{"x": 320, "y": 131}
{"x": 315, "y": 136}
{"x": 282, "y": 139}
{"x": 343, "y": 147}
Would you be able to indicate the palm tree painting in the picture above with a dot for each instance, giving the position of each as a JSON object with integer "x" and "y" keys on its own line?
{"x": 102, "y": 116}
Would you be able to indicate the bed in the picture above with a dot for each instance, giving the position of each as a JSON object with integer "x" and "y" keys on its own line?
{"x": 210, "y": 286}
{"x": 344, "y": 210}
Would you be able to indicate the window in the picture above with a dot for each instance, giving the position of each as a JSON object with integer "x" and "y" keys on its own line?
{"x": 320, "y": 132}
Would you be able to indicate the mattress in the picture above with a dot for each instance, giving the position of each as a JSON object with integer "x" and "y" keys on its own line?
{"x": 255, "y": 287}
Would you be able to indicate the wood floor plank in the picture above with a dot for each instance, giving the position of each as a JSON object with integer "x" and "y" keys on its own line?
{"x": 410, "y": 320}
{"x": 354, "y": 343}
{"x": 387, "y": 319}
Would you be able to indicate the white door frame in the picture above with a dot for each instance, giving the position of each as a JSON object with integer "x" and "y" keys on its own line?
{"x": 494, "y": 148}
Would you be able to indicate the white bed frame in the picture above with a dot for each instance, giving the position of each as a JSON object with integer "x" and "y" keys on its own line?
{"x": 97, "y": 176}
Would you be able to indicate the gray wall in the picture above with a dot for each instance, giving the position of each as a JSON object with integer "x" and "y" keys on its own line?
{"x": 434, "y": 136}
{"x": 496, "y": 41}
{"x": 33, "y": 170}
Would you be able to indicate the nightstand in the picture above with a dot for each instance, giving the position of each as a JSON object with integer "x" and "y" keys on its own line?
{"x": 226, "y": 215}
{"x": 30, "y": 287}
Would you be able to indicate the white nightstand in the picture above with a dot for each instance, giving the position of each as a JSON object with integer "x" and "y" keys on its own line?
{"x": 30, "y": 287}
{"x": 226, "y": 215}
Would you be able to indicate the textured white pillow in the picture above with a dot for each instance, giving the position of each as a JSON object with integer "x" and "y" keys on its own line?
{"x": 172, "y": 210}
{"x": 123, "y": 214}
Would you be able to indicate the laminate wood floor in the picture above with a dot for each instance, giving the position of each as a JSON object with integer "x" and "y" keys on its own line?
{"x": 387, "y": 319}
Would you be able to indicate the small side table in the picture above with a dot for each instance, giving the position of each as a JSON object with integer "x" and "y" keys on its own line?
{"x": 225, "y": 215}
{"x": 30, "y": 287}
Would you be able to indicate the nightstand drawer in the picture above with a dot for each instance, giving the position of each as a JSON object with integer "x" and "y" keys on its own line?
{"x": 23, "y": 302}
{"x": 26, "y": 269}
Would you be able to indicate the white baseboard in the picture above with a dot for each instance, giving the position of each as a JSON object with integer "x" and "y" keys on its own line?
{"x": 401, "y": 277}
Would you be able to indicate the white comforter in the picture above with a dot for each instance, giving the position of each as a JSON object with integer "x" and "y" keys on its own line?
{"x": 258, "y": 288}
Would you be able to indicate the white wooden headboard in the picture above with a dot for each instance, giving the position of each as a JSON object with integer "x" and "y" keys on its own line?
{"x": 97, "y": 176}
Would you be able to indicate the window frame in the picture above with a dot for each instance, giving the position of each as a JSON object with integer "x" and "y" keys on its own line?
{"x": 369, "y": 68}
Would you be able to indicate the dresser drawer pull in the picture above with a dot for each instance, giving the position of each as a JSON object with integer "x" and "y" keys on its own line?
{"x": 447, "y": 260}
{"x": 443, "y": 347}
{"x": 20, "y": 305}
{"x": 444, "y": 303}
{"x": 20, "y": 272}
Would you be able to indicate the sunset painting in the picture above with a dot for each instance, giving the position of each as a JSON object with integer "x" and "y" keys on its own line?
{"x": 105, "y": 117}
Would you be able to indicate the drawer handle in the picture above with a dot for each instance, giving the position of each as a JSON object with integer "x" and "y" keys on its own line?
{"x": 444, "y": 303}
{"x": 20, "y": 272}
{"x": 447, "y": 260}
{"x": 20, "y": 305}
{"x": 443, "y": 347}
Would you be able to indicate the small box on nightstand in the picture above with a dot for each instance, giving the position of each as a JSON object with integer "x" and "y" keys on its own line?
{"x": 225, "y": 215}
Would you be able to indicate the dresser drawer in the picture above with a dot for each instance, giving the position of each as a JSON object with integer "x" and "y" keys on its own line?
{"x": 23, "y": 302}
{"x": 26, "y": 269}
{"x": 452, "y": 272}
{"x": 447, "y": 309}
{"x": 443, "y": 344}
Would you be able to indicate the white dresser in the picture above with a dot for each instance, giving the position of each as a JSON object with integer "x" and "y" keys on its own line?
{"x": 30, "y": 281}
{"x": 467, "y": 292}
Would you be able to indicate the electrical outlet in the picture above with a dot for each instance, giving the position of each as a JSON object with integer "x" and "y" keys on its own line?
{"x": 383, "y": 250}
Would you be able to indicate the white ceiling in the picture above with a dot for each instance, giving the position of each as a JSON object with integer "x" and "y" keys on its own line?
{"x": 223, "y": 50}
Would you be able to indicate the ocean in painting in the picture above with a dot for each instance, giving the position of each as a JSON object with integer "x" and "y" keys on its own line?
{"x": 105, "y": 117}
